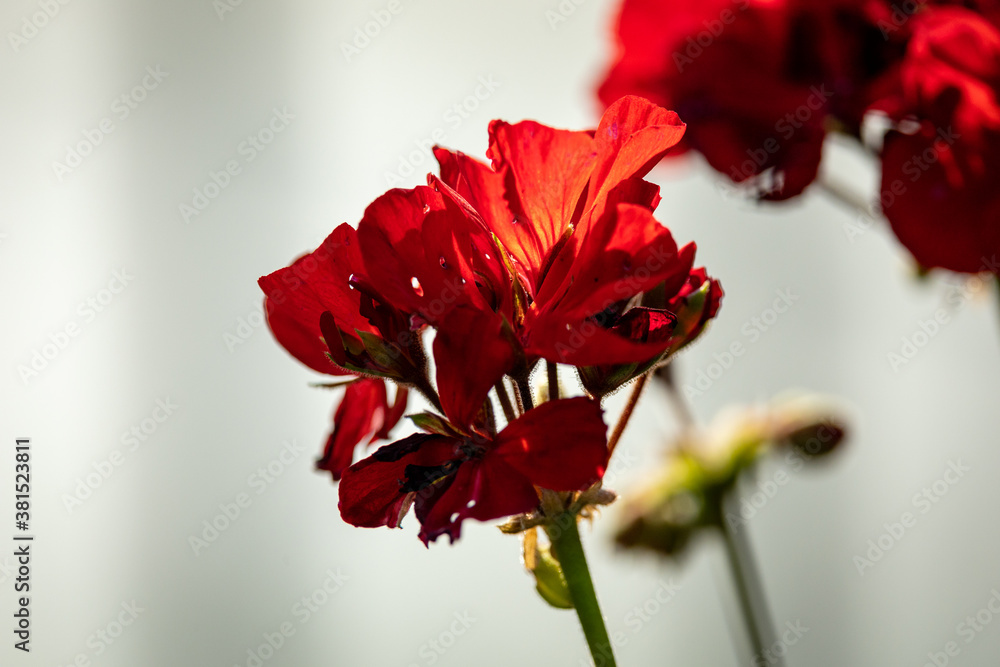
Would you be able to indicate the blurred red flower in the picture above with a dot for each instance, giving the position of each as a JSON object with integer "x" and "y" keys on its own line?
{"x": 758, "y": 81}
{"x": 940, "y": 169}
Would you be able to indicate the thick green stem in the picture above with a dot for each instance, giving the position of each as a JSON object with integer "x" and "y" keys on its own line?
{"x": 568, "y": 549}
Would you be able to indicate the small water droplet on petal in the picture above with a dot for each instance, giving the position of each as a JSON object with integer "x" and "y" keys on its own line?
{"x": 443, "y": 262}
{"x": 415, "y": 284}
{"x": 427, "y": 208}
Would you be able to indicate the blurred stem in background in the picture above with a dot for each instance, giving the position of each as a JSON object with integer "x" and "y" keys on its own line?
{"x": 749, "y": 590}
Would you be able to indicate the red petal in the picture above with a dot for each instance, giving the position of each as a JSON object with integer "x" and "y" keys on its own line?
{"x": 483, "y": 188}
{"x": 560, "y": 445}
{"x": 645, "y": 325}
{"x": 944, "y": 224}
{"x": 418, "y": 248}
{"x": 360, "y": 413}
{"x": 546, "y": 172}
{"x": 634, "y": 134}
{"x": 299, "y": 294}
{"x": 492, "y": 487}
{"x": 627, "y": 252}
{"x": 471, "y": 355}
{"x": 371, "y": 491}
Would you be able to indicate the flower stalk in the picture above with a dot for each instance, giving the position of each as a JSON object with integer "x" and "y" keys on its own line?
{"x": 633, "y": 399}
{"x": 749, "y": 591}
{"x": 568, "y": 549}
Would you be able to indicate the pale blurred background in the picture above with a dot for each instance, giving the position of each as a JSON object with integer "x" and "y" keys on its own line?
{"x": 185, "y": 331}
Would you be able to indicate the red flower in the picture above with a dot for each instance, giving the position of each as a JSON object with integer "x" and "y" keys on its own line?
{"x": 298, "y": 301}
{"x": 757, "y": 80}
{"x": 545, "y": 254}
{"x": 449, "y": 477}
{"x": 939, "y": 176}
{"x": 574, "y": 220}
{"x": 364, "y": 412}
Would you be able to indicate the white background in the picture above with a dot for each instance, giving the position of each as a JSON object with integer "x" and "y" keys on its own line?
{"x": 164, "y": 337}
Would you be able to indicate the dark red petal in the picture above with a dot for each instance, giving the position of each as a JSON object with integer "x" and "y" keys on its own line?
{"x": 560, "y": 445}
{"x": 622, "y": 256}
{"x": 944, "y": 224}
{"x": 418, "y": 249}
{"x": 492, "y": 487}
{"x": 471, "y": 355}
{"x": 483, "y": 188}
{"x": 361, "y": 412}
{"x": 645, "y": 325}
{"x": 301, "y": 339}
{"x": 585, "y": 343}
{"x": 315, "y": 283}
{"x": 371, "y": 491}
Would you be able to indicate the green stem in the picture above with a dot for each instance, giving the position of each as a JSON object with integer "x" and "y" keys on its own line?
{"x": 568, "y": 549}
{"x": 749, "y": 590}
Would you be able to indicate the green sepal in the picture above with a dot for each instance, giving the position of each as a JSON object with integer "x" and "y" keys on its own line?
{"x": 432, "y": 423}
{"x": 550, "y": 581}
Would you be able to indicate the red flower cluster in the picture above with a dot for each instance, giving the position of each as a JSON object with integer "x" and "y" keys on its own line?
{"x": 763, "y": 81}
{"x": 551, "y": 252}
